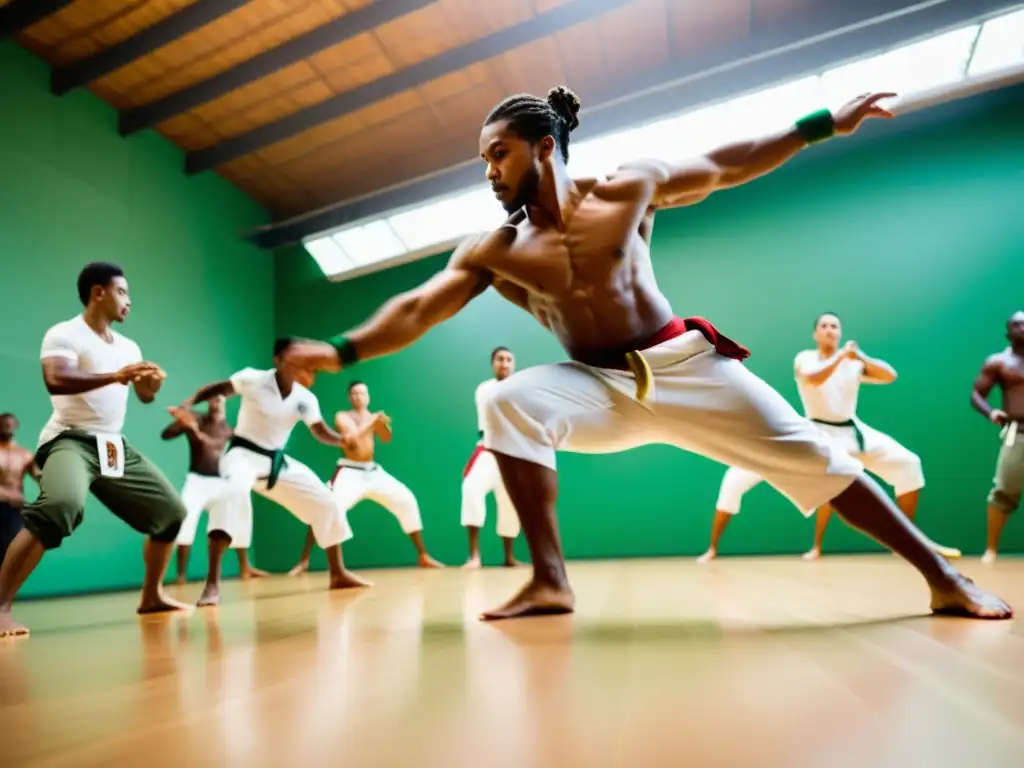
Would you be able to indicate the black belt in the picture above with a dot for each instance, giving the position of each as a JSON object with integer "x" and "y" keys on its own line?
{"x": 848, "y": 423}
{"x": 277, "y": 461}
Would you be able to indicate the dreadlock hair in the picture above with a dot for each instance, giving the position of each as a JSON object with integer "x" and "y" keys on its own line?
{"x": 533, "y": 118}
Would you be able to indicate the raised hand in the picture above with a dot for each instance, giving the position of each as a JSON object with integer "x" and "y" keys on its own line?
{"x": 184, "y": 416}
{"x": 849, "y": 116}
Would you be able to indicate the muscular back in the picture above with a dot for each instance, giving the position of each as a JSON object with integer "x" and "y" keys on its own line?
{"x": 1005, "y": 370}
{"x": 592, "y": 284}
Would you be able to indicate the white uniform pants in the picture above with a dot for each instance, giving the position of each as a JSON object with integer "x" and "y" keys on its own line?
{"x": 481, "y": 477}
{"x": 354, "y": 481}
{"x": 228, "y": 512}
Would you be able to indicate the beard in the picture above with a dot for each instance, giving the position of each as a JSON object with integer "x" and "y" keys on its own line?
{"x": 527, "y": 190}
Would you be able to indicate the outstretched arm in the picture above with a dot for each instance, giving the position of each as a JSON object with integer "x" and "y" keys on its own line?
{"x": 325, "y": 434}
{"x": 403, "y": 319}
{"x": 737, "y": 163}
{"x": 987, "y": 379}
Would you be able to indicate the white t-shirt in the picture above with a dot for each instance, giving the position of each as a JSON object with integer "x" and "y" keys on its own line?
{"x": 100, "y": 410}
{"x": 265, "y": 418}
{"x": 481, "y": 393}
{"x": 836, "y": 398}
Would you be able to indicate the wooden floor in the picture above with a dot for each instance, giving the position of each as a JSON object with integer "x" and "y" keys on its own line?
{"x": 747, "y": 662}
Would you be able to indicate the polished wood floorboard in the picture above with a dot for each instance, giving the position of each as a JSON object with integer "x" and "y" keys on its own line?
{"x": 747, "y": 662}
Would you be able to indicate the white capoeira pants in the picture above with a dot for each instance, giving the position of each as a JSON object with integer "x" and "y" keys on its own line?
{"x": 226, "y": 511}
{"x": 700, "y": 401}
{"x": 297, "y": 489}
{"x": 354, "y": 481}
{"x": 480, "y": 477}
{"x": 882, "y": 456}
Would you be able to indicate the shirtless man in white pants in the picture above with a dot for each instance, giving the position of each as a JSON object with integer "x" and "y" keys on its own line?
{"x": 575, "y": 254}
{"x": 482, "y": 476}
{"x": 273, "y": 402}
{"x": 359, "y": 477}
{"x": 828, "y": 379}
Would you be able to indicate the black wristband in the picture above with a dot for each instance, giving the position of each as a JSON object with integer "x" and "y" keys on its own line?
{"x": 346, "y": 350}
{"x": 817, "y": 126}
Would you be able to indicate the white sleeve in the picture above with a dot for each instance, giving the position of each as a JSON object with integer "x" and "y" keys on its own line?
{"x": 312, "y": 415}
{"x": 244, "y": 380}
{"x": 800, "y": 361}
{"x": 60, "y": 341}
{"x": 136, "y": 356}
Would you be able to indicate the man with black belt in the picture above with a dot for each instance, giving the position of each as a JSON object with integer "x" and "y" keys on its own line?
{"x": 273, "y": 401}
{"x": 1005, "y": 369}
{"x": 828, "y": 379}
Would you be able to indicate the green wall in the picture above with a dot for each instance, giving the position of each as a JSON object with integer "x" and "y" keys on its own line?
{"x": 911, "y": 230}
{"x": 73, "y": 191}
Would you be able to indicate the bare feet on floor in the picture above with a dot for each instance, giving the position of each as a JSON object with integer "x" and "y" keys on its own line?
{"x": 210, "y": 596}
{"x": 426, "y": 561}
{"x": 812, "y": 554}
{"x": 160, "y": 604}
{"x": 348, "y": 580}
{"x": 255, "y": 573}
{"x": 181, "y": 581}
{"x": 708, "y": 556}
{"x": 299, "y": 568}
{"x": 473, "y": 564}
{"x": 513, "y": 563}
{"x": 9, "y": 627}
{"x": 964, "y": 598}
{"x": 989, "y": 557}
{"x": 534, "y": 599}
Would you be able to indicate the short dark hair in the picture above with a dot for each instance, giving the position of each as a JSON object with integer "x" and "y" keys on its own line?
{"x": 281, "y": 344}
{"x": 532, "y": 118}
{"x": 496, "y": 350}
{"x": 8, "y": 415}
{"x": 356, "y": 383}
{"x": 823, "y": 314}
{"x": 97, "y": 273}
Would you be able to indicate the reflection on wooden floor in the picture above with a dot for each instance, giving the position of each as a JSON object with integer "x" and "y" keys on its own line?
{"x": 747, "y": 662}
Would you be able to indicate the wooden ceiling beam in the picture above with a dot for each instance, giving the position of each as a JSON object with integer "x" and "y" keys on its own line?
{"x": 542, "y": 25}
{"x": 302, "y": 47}
{"x": 22, "y": 14}
{"x": 175, "y": 26}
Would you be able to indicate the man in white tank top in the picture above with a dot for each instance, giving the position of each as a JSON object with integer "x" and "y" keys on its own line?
{"x": 828, "y": 379}
{"x": 482, "y": 476}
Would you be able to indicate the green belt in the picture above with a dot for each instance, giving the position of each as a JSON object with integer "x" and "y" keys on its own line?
{"x": 847, "y": 423}
{"x": 277, "y": 461}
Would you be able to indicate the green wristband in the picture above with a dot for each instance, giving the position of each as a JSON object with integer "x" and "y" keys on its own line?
{"x": 817, "y": 126}
{"x": 346, "y": 350}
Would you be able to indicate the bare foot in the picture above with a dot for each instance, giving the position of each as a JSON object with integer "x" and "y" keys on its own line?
{"x": 210, "y": 596}
{"x": 160, "y": 604}
{"x": 534, "y": 600}
{"x": 256, "y": 573}
{"x": 812, "y": 554}
{"x": 513, "y": 563}
{"x": 9, "y": 627}
{"x": 966, "y": 599}
{"x": 181, "y": 580}
{"x": 300, "y": 567}
{"x": 348, "y": 580}
{"x": 426, "y": 561}
{"x": 708, "y": 556}
{"x": 473, "y": 564}
{"x": 989, "y": 557}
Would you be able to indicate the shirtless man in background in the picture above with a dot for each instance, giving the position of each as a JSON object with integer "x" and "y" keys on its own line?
{"x": 575, "y": 254}
{"x": 204, "y": 487}
{"x": 1006, "y": 370}
{"x": 359, "y": 477}
{"x": 16, "y": 463}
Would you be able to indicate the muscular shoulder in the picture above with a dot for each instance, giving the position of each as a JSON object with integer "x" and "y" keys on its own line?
{"x": 995, "y": 363}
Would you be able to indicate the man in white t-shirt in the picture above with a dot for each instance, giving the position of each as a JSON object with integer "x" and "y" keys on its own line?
{"x": 828, "y": 379}
{"x": 87, "y": 367}
{"x": 482, "y": 476}
{"x": 273, "y": 402}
